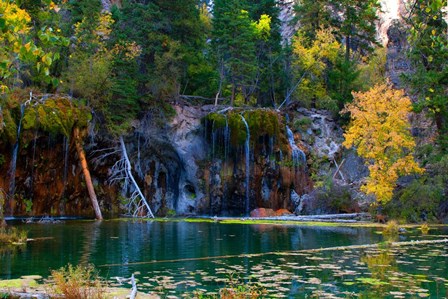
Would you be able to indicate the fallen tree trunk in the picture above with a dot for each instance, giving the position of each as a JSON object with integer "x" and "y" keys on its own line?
{"x": 87, "y": 177}
{"x": 352, "y": 217}
{"x": 283, "y": 253}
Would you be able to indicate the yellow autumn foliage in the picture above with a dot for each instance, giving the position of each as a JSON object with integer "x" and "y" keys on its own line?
{"x": 19, "y": 47}
{"x": 380, "y": 132}
{"x": 310, "y": 62}
{"x": 13, "y": 26}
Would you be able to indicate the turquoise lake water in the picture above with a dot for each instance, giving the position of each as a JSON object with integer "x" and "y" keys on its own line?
{"x": 178, "y": 258}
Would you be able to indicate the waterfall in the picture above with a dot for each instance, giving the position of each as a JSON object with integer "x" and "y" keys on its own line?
{"x": 226, "y": 139}
{"x": 214, "y": 137}
{"x": 15, "y": 151}
{"x": 298, "y": 156}
{"x": 247, "y": 153}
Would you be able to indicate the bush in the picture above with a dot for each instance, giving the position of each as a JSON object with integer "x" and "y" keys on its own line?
{"x": 12, "y": 235}
{"x": 303, "y": 123}
{"x": 78, "y": 282}
{"x": 331, "y": 198}
{"x": 236, "y": 289}
{"x": 392, "y": 228}
{"x": 420, "y": 201}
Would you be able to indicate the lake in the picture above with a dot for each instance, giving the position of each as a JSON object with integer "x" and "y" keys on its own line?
{"x": 179, "y": 258}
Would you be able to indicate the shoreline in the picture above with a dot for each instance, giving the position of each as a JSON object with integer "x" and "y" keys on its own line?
{"x": 330, "y": 220}
{"x": 280, "y": 220}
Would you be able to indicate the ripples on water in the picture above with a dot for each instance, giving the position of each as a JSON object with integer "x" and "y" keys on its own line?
{"x": 179, "y": 257}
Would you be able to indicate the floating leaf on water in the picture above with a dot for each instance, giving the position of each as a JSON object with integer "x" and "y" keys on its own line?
{"x": 423, "y": 295}
{"x": 316, "y": 258}
{"x": 397, "y": 293}
{"x": 329, "y": 266}
{"x": 423, "y": 268}
{"x": 371, "y": 281}
{"x": 314, "y": 280}
{"x": 348, "y": 283}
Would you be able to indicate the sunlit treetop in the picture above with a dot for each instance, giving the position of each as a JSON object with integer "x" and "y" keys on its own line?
{"x": 18, "y": 46}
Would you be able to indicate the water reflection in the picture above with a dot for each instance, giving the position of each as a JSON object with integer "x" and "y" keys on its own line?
{"x": 178, "y": 257}
{"x": 127, "y": 243}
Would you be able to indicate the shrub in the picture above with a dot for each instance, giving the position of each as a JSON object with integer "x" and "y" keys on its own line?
{"x": 391, "y": 228}
{"x": 332, "y": 198}
{"x": 236, "y": 289}
{"x": 409, "y": 206}
{"x": 303, "y": 123}
{"x": 78, "y": 282}
{"x": 424, "y": 228}
{"x": 12, "y": 235}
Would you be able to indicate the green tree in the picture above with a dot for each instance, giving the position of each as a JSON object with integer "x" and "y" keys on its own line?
{"x": 171, "y": 35}
{"x": 313, "y": 15}
{"x": 311, "y": 64}
{"x": 270, "y": 58}
{"x": 352, "y": 21}
{"x": 342, "y": 80}
{"x": 237, "y": 39}
{"x": 429, "y": 55}
{"x": 355, "y": 21}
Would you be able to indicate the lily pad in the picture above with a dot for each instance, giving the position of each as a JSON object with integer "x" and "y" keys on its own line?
{"x": 371, "y": 281}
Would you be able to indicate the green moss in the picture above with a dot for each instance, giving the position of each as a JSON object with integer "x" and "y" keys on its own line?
{"x": 262, "y": 122}
{"x": 10, "y": 128}
{"x": 17, "y": 283}
{"x": 303, "y": 123}
{"x": 168, "y": 110}
{"x": 30, "y": 119}
{"x": 218, "y": 120}
{"x": 56, "y": 116}
{"x": 238, "y": 133}
{"x": 269, "y": 221}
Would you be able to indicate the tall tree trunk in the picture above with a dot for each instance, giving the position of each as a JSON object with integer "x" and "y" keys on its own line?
{"x": 85, "y": 169}
{"x": 221, "y": 79}
{"x": 347, "y": 48}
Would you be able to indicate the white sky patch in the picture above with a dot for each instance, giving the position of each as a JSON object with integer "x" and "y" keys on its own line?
{"x": 390, "y": 8}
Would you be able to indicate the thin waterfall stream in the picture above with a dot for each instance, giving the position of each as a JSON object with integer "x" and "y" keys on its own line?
{"x": 226, "y": 139}
{"x": 298, "y": 156}
{"x": 15, "y": 151}
{"x": 247, "y": 157}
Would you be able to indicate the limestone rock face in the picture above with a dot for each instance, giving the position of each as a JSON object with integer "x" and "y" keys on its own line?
{"x": 320, "y": 132}
{"x": 191, "y": 147}
{"x": 188, "y": 166}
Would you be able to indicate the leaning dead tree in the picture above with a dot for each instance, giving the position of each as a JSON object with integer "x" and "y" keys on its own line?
{"x": 86, "y": 172}
{"x": 122, "y": 171}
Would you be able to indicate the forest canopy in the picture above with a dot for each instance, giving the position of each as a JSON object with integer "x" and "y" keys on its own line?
{"x": 108, "y": 64}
